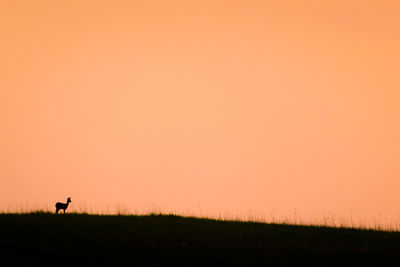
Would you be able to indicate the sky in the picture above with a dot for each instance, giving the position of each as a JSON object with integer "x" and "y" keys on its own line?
{"x": 209, "y": 107}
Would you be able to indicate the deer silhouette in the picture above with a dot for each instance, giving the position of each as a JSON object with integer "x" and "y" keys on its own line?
{"x": 62, "y": 206}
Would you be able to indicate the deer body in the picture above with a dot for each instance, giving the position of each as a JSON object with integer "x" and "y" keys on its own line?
{"x": 62, "y": 206}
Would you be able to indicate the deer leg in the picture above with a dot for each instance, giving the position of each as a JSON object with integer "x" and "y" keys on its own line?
{"x": 64, "y": 211}
{"x": 56, "y": 211}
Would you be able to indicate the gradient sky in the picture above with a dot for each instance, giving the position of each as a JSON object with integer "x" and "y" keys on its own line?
{"x": 209, "y": 106}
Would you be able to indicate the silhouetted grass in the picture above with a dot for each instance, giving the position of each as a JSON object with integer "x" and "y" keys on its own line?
{"x": 44, "y": 239}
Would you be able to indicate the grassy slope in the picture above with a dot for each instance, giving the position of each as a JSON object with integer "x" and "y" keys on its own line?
{"x": 46, "y": 239}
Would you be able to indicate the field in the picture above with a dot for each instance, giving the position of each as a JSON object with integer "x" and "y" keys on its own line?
{"x": 44, "y": 239}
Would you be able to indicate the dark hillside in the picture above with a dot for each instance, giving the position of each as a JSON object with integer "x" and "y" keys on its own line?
{"x": 90, "y": 240}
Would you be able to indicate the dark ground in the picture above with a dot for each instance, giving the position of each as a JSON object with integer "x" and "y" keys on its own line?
{"x": 88, "y": 240}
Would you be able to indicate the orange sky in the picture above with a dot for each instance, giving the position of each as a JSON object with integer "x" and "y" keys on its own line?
{"x": 214, "y": 106}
